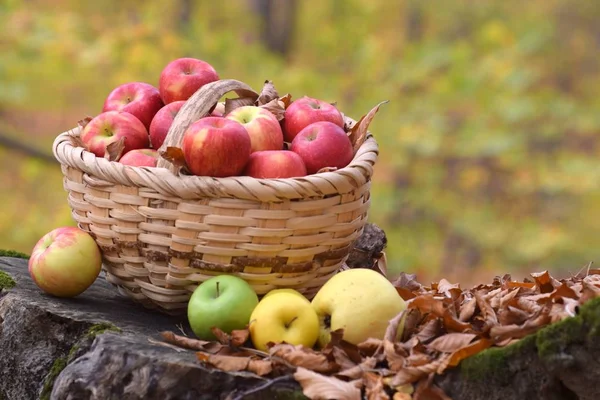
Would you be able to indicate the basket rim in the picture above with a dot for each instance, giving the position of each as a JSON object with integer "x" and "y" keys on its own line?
{"x": 344, "y": 180}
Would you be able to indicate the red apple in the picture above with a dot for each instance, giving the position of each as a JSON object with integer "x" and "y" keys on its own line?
{"x": 140, "y": 158}
{"x": 215, "y": 146}
{"x": 65, "y": 262}
{"x": 111, "y": 126}
{"x": 262, "y": 126}
{"x": 137, "y": 98}
{"x": 183, "y": 77}
{"x": 275, "y": 164}
{"x": 162, "y": 121}
{"x": 323, "y": 144}
{"x": 306, "y": 110}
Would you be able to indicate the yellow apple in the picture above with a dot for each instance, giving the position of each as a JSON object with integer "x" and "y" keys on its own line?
{"x": 283, "y": 317}
{"x": 286, "y": 290}
{"x": 360, "y": 301}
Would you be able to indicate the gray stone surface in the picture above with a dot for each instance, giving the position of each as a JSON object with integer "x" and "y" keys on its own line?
{"x": 39, "y": 334}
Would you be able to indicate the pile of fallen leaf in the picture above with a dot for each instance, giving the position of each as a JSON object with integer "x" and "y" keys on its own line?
{"x": 443, "y": 325}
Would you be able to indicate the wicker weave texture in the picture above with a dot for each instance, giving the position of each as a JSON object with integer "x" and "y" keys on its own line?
{"x": 161, "y": 234}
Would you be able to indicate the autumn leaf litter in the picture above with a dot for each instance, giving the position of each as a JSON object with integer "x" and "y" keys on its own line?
{"x": 443, "y": 325}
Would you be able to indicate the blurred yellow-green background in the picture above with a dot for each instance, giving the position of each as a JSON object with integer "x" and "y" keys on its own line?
{"x": 490, "y": 143}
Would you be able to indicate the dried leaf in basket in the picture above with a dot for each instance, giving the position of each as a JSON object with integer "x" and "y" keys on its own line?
{"x": 175, "y": 156}
{"x": 114, "y": 150}
{"x": 83, "y": 122}
{"x": 327, "y": 169}
{"x": 286, "y": 99}
{"x": 358, "y": 133}
{"x": 276, "y": 108}
{"x": 232, "y": 104}
{"x": 267, "y": 94}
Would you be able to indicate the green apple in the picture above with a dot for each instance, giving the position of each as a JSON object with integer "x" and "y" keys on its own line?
{"x": 361, "y": 302}
{"x": 284, "y": 317}
{"x": 224, "y": 301}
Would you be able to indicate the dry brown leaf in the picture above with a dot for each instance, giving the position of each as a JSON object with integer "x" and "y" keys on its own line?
{"x": 402, "y": 396}
{"x": 425, "y": 390}
{"x": 452, "y": 324}
{"x": 426, "y": 303}
{"x": 370, "y": 346}
{"x": 191, "y": 344}
{"x": 267, "y": 94}
{"x": 175, "y": 156}
{"x": 275, "y": 108}
{"x": 238, "y": 337}
{"x": 305, "y": 357}
{"x": 412, "y": 323}
{"x": 413, "y": 374}
{"x": 512, "y": 315}
{"x": 487, "y": 312}
{"x": 327, "y": 169}
{"x": 543, "y": 281}
{"x": 320, "y": 387}
{"x": 357, "y": 371}
{"x": 286, "y": 99}
{"x": 225, "y": 363}
{"x": 395, "y": 355}
{"x": 391, "y": 333}
{"x": 83, "y": 122}
{"x": 408, "y": 282}
{"x": 358, "y": 133}
{"x": 564, "y": 291}
{"x": 342, "y": 359}
{"x": 233, "y": 103}
{"x": 374, "y": 387}
{"x": 468, "y": 351}
{"x": 431, "y": 329}
{"x": 114, "y": 150}
{"x": 260, "y": 367}
{"x": 502, "y": 332}
{"x": 467, "y": 310}
{"x": 451, "y": 342}
{"x": 446, "y": 288}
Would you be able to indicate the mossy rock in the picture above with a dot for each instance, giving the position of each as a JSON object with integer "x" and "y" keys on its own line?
{"x": 6, "y": 281}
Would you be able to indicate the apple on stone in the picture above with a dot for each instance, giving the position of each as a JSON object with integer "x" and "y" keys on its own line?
{"x": 182, "y": 77}
{"x": 217, "y": 147}
{"x": 65, "y": 262}
{"x": 111, "y": 126}
{"x": 323, "y": 144}
{"x": 140, "y": 158}
{"x": 262, "y": 126}
{"x": 360, "y": 301}
{"x": 284, "y": 317}
{"x": 161, "y": 123}
{"x": 225, "y": 302}
{"x": 138, "y": 98}
{"x": 305, "y": 111}
{"x": 274, "y": 164}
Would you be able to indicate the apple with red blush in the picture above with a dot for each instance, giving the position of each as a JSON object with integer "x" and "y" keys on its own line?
{"x": 262, "y": 126}
{"x": 216, "y": 146}
{"x": 140, "y": 158}
{"x": 305, "y": 111}
{"x": 323, "y": 144}
{"x": 275, "y": 164}
{"x": 162, "y": 123}
{"x": 65, "y": 262}
{"x": 137, "y": 98}
{"x": 110, "y": 126}
{"x": 182, "y": 77}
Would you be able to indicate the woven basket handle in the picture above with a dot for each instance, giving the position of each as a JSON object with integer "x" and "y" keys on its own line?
{"x": 196, "y": 107}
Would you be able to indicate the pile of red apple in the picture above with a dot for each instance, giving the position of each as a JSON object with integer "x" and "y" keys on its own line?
{"x": 278, "y": 139}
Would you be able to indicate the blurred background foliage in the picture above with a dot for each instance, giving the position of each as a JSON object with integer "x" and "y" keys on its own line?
{"x": 489, "y": 144}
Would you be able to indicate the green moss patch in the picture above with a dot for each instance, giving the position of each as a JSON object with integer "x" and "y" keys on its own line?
{"x": 12, "y": 253}
{"x": 61, "y": 363}
{"x": 547, "y": 342}
{"x": 6, "y": 281}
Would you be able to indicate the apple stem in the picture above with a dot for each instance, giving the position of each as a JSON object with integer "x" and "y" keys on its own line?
{"x": 290, "y": 323}
{"x": 217, "y": 288}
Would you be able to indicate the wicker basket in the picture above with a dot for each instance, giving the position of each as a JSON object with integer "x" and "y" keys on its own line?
{"x": 162, "y": 233}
